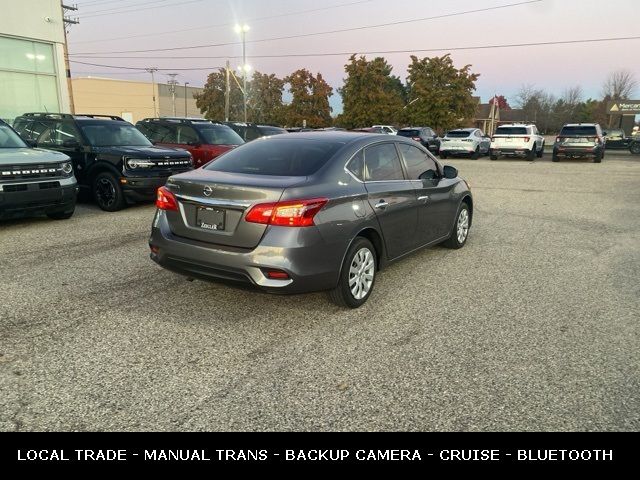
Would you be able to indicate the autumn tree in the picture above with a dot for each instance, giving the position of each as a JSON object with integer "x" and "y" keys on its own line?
{"x": 370, "y": 95}
{"x": 265, "y": 99}
{"x": 502, "y": 102}
{"x": 211, "y": 101}
{"x": 440, "y": 95}
{"x": 310, "y": 100}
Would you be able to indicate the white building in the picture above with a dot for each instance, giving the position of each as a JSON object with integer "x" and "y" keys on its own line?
{"x": 32, "y": 68}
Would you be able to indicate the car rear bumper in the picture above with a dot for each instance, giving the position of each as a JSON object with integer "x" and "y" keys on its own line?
{"x": 457, "y": 150}
{"x": 33, "y": 198}
{"x": 510, "y": 151}
{"x": 577, "y": 152}
{"x": 311, "y": 264}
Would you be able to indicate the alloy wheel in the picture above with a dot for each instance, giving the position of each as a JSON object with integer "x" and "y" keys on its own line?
{"x": 361, "y": 273}
{"x": 105, "y": 192}
{"x": 463, "y": 225}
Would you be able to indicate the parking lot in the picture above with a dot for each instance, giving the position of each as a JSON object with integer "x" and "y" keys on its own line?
{"x": 532, "y": 326}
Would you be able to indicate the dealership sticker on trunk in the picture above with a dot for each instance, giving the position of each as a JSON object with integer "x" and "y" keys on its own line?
{"x": 210, "y": 218}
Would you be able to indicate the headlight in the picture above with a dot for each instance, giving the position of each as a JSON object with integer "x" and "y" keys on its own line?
{"x": 67, "y": 168}
{"x": 134, "y": 163}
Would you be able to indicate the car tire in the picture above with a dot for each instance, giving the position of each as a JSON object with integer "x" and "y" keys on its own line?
{"x": 555, "y": 158}
{"x": 107, "y": 192}
{"x": 493, "y": 157}
{"x": 531, "y": 154}
{"x": 634, "y": 148}
{"x": 461, "y": 228}
{"x": 541, "y": 152}
{"x": 363, "y": 257}
{"x": 476, "y": 155}
{"x": 598, "y": 158}
{"x": 443, "y": 155}
{"x": 61, "y": 215}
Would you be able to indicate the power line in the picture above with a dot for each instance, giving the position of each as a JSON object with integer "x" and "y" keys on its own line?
{"x": 220, "y": 25}
{"x": 352, "y": 29}
{"x": 91, "y": 12}
{"x": 349, "y": 53}
{"x": 143, "y": 69}
{"x": 141, "y": 9}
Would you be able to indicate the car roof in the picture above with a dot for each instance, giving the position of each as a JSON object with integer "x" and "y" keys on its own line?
{"x": 516, "y": 125}
{"x": 580, "y": 125}
{"x": 463, "y": 130}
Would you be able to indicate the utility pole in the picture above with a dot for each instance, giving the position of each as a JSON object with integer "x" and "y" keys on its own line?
{"x": 245, "y": 68}
{"x": 152, "y": 71}
{"x": 227, "y": 94}
{"x": 172, "y": 89}
{"x": 67, "y": 23}
{"x": 185, "y": 99}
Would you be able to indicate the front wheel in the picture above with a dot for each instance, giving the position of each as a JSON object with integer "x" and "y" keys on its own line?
{"x": 460, "y": 232}
{"x": 108, "y": 193}
{"x": 635, "y": 148}
{"x": 358, "y": 275}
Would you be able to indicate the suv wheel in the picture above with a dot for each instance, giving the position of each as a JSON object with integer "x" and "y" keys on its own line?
{"x": 107, "y": 192}
{"x": 476, "y": 155}
{"x": 555, "y": 158}
{"x": 358, "y": 275}
{"x": 531, "y": 155}
{"x": 460, "y": 232}
{"x": 541, "y": 152}
{"x": 635, "y": 148}
{"x": 598, "y": 157}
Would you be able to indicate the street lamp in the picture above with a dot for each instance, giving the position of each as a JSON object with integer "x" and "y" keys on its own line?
{"x": 185, "y": 99}
{"x": 242, "y": 30}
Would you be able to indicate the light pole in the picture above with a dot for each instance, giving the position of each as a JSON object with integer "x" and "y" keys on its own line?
{"x": 153, "y": 70}
{"x": 185, "y": 99}
{"x": 173, "y": 83}
{"x": 243, "y": 29}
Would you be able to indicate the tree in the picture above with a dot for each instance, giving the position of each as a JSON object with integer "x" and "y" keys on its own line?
{"x": 310, "y": 100}
{"x": 211, "y": 101}
{"x": 440, "y": 95}
{"x": 620, "y": 85}
{"x": 265, "y": 99}
{"x": 370, "y": 95}
{"x": 537, "y": 105}
{"x": 503, "y": 104}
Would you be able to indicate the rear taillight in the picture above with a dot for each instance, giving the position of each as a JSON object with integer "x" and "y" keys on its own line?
{"x": 295, "y": 213}
{"x": 417, "y": 139}
{"x": 166, "y": 200}
{"x": 559, "y": 139}
{"x": 493, "y": 139}
{"x": 598, "y": 139}
{"x": 526, "y": 139}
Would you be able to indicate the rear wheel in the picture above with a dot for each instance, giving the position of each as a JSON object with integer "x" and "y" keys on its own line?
{"x": 476, "y": 155}
{"x": 107, "y": 192}
{"x": 598, "y": 158}
{"x": 358, "y": 275}
{"x": 460, "y": 232}
{"x": 541, "y": 152}
{"x": 555, "y": 158}
{"x": 531, "y": 155}
{"x": 635, "y": 148}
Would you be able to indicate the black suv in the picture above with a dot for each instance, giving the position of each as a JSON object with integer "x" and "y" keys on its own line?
{"x": 251, "y": 131}
{"x": 580, "y": 140}
{"x": 424, "y": 135}
{"x": 616, "y": 139}
{"x": 111, "y": 158}
{"x": 34, "y": 181}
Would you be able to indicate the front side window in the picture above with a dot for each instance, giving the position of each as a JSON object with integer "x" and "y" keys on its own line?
{"x": 382, "y": 163}
{"x": 9, "y": 138}
{"x": 419, "y": 164}
{"x": 114, "y": 134}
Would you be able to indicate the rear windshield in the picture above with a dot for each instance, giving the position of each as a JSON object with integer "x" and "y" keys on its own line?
{"x": 511, "y": 131}
{"x": 458, "y": 134}
{"x": 220, "y": 135}
{"x": 578, "y": 131}
{"x": 409, "y": 133}
{"x": 9, "y": 138}
{"x": 272, "y": 131}
{"x": 114, "y": 134}
{"x": 278, "y": 157}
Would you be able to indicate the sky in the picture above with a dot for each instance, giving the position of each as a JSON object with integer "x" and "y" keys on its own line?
{"x": 173, "y": 24}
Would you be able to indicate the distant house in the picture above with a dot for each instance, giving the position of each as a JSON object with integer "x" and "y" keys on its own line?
{"x": 488, "y": 117}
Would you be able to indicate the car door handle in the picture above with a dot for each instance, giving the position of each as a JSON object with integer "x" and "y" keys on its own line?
{"x": 382, "y": 205}
{"x": 426, "y": 197}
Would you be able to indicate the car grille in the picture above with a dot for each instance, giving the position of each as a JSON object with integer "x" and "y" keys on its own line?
{"x": 29, "y": 172}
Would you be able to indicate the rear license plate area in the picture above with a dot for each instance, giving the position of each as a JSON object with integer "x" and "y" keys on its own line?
{"x": 212, "y": 219}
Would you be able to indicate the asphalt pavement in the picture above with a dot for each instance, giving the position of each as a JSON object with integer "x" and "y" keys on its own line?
{"x": 534, "y": 325}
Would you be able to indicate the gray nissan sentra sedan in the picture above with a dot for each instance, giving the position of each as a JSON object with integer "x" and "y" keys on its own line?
{"x": 310, "y": 211}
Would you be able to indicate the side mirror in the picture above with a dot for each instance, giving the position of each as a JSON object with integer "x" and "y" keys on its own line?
{"x": 450, "y": 172}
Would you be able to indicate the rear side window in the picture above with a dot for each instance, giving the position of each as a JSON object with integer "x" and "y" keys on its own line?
{"x": 382, "y": 163}
{"x": 156, "y": 132}
{"x": 511, "y": 131}
{"x": 458, "y": 134}
{"x": 33, "y": 130}
{"x": 356, "y": 165}
{"x": 59, "y": 135}
{"x": 219, "y": 135}
{"x": 277, "y": 156}
{"x": 579, "y": 130}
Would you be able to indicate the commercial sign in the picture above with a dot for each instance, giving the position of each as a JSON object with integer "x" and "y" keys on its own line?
{"x": 624, "y": 107}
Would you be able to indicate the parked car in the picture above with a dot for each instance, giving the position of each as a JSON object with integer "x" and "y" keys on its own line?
{"x": 111, "y": 158}
{"x": 203, "y": 139}
{"x": 471, "y": 142}
{"x": 311, "y": 211}
{"x": 517, "y": 140}
{"x": 634, "y": 145}
{"x": 34, "y": 181}
{"x": 376, "y": 130}
{"x": 580, "y": 140}
{"x": 251, "y": 131}
{"x": 616, "y": 139}
{"x": 299, "y": 130}
{"x": 388, "y": 129}
{"x": 425, "y": 135}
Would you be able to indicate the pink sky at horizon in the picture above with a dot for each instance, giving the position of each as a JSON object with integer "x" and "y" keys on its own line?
{"x": 503, "y": 71}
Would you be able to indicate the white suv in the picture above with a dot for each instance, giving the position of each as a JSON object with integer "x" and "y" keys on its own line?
{"x": 464, "y": 141}
{"x": 388, "y": 129}
{"x": 517, "y": 139}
